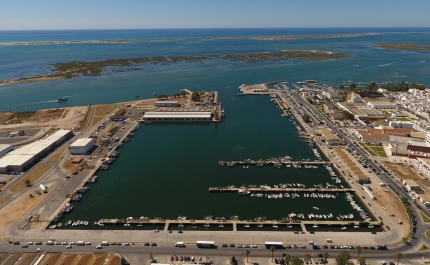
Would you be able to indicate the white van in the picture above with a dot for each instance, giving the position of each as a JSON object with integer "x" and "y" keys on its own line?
{"x": 179, "y": 244}
{"x": 50, "y": 242}
{"x": 105, "y": 243}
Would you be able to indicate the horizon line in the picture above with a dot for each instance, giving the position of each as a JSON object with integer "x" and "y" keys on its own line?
{"x": 373, "y": 27}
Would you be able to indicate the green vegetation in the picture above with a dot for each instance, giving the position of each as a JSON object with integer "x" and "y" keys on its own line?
{"x": 399, "y": 256}
{"x": 428, "y": 233}
{"x": 306, "y": 118}
{"x": 310, "y": 100}
{"x": 83, "y": 68}
{"x": 425, "y": 218}
{"x": 247, "y": 252}
{"x": 348, "y": 115}
{"x": 371, "y": 86}
{"x": 424, "y": 247}
{"x": 405, "y": 202}
{"x": 296, "y": 261}
{"x": 341, "y": 87}
{"x": 404, "y": 46}
{"x": 343, "y": 258}
{"x": 352, "y": 85}
{"x": 361, "y": 260}
{"x": 287, "y": 259}
{"x": 19, "y": 117}
{"x": 402, "y": 86}
{"x": 374, "y": 150}
{"x": 162, "y": 96}
{"x": 195, "y": 96}
{"x": 272, "y": 249}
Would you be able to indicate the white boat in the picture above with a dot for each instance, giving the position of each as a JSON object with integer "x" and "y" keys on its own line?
{"x": 243, "y": 192}
{"x": 356, "y": 226}
{"x": 343, "y": 228}
{"x": 289, "y": 226}
{"x": 221, "y": 226}
{"x": 246, "y": 226}
{"x": 316, "y": 208}
{"x": 275, "y": 226}
{"x": 315, "y": 226}
{"x": 370, "y": 226}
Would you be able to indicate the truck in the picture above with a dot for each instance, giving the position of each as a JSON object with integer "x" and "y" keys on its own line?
{"x": 43, "y": 188}
{"x": 80, "y": 243}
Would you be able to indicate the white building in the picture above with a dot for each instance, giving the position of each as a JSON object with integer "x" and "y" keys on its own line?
{"x": 5, "y": 148}
{"x": 410, "y": 185}
{"x": 81, "y": 146}
{"x": 177, "y": 116}
{"x": 422, "y": 165}
{"x": 401, "y": 124}
{"x": 166, "y": 103}
{"x": 383, "y": 105}
{"x": 25, "y": 157}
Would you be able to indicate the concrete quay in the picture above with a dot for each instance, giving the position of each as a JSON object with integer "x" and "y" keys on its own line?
{"x": 232, "y": 163}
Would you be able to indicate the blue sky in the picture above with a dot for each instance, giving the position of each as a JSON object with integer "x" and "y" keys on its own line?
{"x": 130, "y": 14}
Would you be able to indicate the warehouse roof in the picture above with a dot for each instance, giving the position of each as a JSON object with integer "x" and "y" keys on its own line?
{"x": 4, "y": 146}
{"x": 179, "y": 114}
{"x": 38, "y": 146}
{"x": 166, "y": 102}
{"x": 82, "y": 141}
{"x": 14, "y": 160}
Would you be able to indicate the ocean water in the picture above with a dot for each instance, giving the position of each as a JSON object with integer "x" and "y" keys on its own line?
{"x": 166, "y": 169}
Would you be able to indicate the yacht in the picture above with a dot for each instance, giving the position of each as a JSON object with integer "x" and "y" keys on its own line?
{"x": 243, "y": 192}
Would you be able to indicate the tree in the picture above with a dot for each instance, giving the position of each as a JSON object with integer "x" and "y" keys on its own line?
{"x": 233, "y": 260}
{"x": 352, "y": 85}
{"x": 359, "y": 250}
{"x": 306, "y": 118}
{"x": 361, "y": 260}
{"x": 326, "y": 256}
{"x": 341, "y": 87}
{"x": 151, "y": 256}
{"x": 399, "y": 257}
{"x": 27, "y": 182}
{"x": 272, "y": 249}
{"x": 296, "y": 261}
{"x": 287, "y": 259}
{"x": 307, "y": 257}
{"x": 195, "y": 96}
{"x": 343, "y": 258}
{"x": 247, "y": 252}
{"x": 371, "y": 86}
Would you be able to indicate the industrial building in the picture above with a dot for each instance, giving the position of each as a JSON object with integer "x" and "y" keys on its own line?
{"x": 22, "y": 159}
{"x": 177, "y": 116}
{"x": 5, "y": 148}
{"x": 81, "y": 146}
{"x": 166, "y": 103}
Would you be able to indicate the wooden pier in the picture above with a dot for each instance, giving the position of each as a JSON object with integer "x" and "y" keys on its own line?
{"x": 315, "y": 190}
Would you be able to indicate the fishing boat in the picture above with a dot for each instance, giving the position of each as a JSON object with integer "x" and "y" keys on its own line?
{"x": 370, "y": 226}
{"x": 62, "y": 99}
{"x": 343, "y": 228}
{"x": 246, "y": 226}
{"x": 221, "y": 226}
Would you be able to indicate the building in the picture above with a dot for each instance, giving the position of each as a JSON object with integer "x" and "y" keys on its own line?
{"x": 5, "y": 148}
{"x": 177, "y": 116}
{"x": 23, "y": 158}
{"x": 81, "y": 146}
{"x": 379, "y": 104}
{"x": 166, "y": 103}
{"x": 424, "y": 198}
{"x": 422, "y": 165}
{"x": 328, "y": 137}
{"x": 411, "y": 185}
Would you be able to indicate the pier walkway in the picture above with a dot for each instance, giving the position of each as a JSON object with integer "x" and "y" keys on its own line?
{"x": 234, "y": 189}
{"x": 255, "y": 162}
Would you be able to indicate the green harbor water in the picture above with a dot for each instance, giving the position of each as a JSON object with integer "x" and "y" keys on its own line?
{"x": 166, "y": 169}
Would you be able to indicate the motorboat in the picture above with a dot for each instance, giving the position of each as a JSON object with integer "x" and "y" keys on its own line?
{"x": 316, "y": 208}
{"x": 243, "y": 192}
{"x": 62, "y": 99}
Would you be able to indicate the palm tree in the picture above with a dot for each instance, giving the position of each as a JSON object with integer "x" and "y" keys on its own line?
{"x": 399, "y": 257}
{"x": 287, "y": 259}
{"x": 307, "y": 257}
{"x": 27, "y": 182}
{"x": 247, "y": 252}
{"x": 272, "y": 248}
{"x": 359, "y": 250}
{"x": 361, "y": 260}
{"x": 325, "y": 256}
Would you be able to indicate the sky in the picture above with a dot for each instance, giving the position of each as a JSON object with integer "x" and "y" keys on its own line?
{"x": 154, "y": 14}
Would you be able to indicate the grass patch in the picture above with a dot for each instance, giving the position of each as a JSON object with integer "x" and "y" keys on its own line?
{"x": 425, "y": 218}
{"x": 374, "y": 150}
{"x": 19, "y": 118}
{"x": 4, "y": 199}
{"x": 428, "y": 233}
{"x": 55, "y": 157}
{"x": 424, "y": 247}
{"x": 32, "y": 177}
